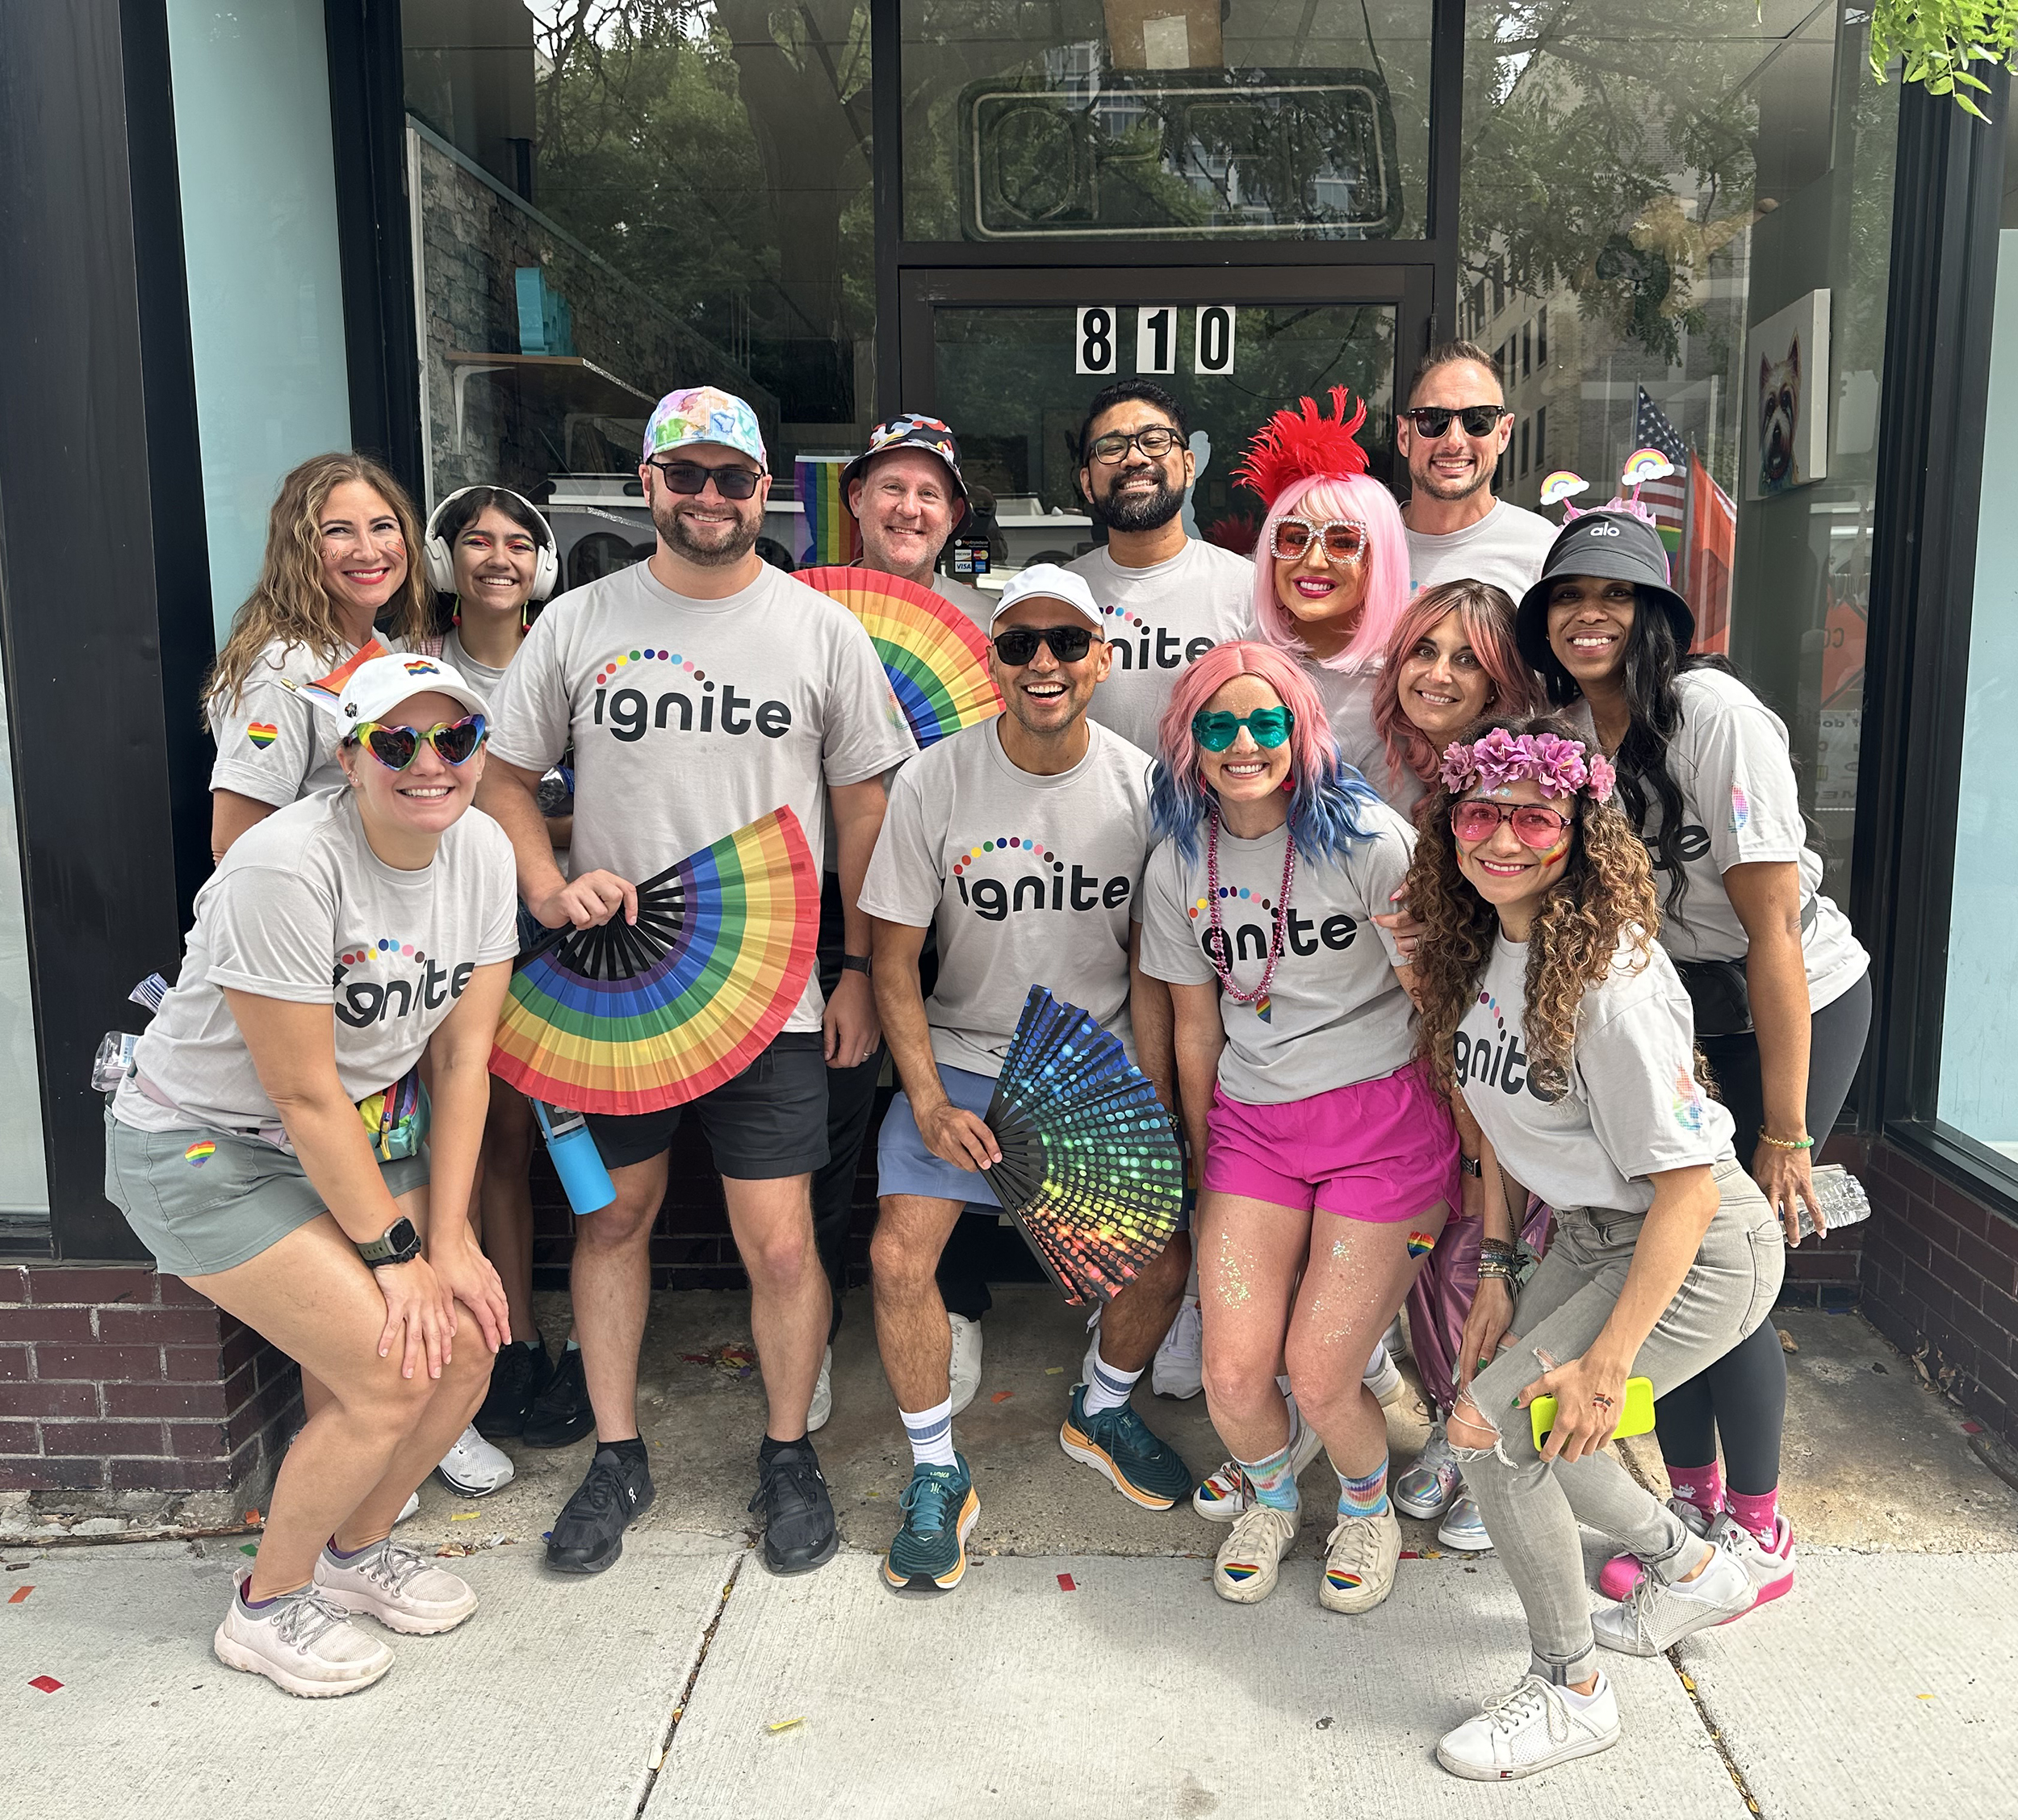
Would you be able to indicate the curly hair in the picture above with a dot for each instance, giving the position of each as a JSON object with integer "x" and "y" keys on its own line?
{"x": 289, "y": 603}
{"x": 1605, "y": 895}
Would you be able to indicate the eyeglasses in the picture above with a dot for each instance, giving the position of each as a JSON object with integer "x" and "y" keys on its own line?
{"x": 690, "y": 477}
{"x": 1068, "y": 643}
{"x": 1157, "y": 441}
{"x": 1268, "y": 727}
{"x": 1433, "y": 421}
{"x": 396, "y": 748}
{"x": 1344, "y": 540}
{"x": 1474, "y": 820}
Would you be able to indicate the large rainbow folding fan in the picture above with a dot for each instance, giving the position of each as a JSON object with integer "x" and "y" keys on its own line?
{"x": 935, "y": 657}
{"x": 633, "y": 1018}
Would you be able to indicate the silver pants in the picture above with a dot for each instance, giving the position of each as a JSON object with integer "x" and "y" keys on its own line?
{"x": 1532, "y": 1508}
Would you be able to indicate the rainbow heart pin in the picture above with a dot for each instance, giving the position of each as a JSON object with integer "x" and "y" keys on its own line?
{"x": 199, "y": 1152}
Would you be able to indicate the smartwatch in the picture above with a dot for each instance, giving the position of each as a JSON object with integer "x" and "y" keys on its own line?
{"x": 1471, "y": 1166}
{"x": 854, "y": 963}
{"x": 398, "y": 1244}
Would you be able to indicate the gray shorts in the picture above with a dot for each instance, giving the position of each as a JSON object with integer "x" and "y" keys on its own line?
{"x": 204, "y": 1202}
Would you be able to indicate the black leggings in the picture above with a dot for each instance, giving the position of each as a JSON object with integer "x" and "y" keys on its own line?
{"x": 1742, "y": 1400}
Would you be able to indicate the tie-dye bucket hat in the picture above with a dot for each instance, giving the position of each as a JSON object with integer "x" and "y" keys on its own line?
{"x": 703, "y": 414}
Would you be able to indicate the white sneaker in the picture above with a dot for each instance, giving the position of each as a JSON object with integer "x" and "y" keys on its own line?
{"x": 305, "y": 1644}
{"x": 1427, "y": 1487}
{"x": 1464, "y": 1527}
{"x": 1530, "y": 1728}
{"x": 1383, "y": 1376}
{"x": 397, "y": 1587}
{"x": 965, "y": 1378}
{"x": 473, "y": 1468}
{"x": 1619, "y": 1575}
{"x": 1658, "y": 1615}
{"x": 1770, "y": 1570}
{"x": 1244, "y": 1571}
{"x": 1360, "y": 1555}
{"x": 822, "y": 1405}
{"x": 407, "y": 1509}
{"x": 1225, "y": 1495}
{"x": 1179, "y": 1370}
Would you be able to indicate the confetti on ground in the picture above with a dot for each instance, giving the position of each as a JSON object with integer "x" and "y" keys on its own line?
{"x": 784, "y": 1724}
{"x": 19, "y": 1594}
{"x": 465, "y": 1516}
{"x": 1065, "y": 1584}
{"x": 1054, "y": 1371}
{"x": 249, "y": 1548}
{"x": 1002, "y": 1396}
{"x": 48, "y": 1683}
{"x": 255, "y": 1518}
{"x": 1923, "y": 1696}
{"x": 1972, "y": 1428}
{"x": 1410, "y": 1554}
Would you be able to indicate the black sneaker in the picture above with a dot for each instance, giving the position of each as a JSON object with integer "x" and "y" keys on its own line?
{"x": 798, "y": 1517}
{"x": 561, "y": 1415}
{"x": 588, "y": 1534}
{"x": 519, "y": 1373}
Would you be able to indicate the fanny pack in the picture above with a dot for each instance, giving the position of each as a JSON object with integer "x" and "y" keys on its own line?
{"x": 395, "y": 1118}
{"x": 1718, "y": 991}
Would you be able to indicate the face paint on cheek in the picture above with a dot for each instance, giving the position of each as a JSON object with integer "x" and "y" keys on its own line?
{"x": 1560, "y": 849}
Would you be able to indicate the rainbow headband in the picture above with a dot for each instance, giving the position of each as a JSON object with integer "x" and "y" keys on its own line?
{"x": 1560, "y": 766}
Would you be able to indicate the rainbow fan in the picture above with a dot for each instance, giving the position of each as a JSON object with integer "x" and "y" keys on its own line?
{"x": 1091, "y": 1169}
{"x": 933, "y": 655}
{"x": 636, "y": 1017}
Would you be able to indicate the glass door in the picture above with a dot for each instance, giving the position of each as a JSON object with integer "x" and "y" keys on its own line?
{"x": 1010, "y": 359}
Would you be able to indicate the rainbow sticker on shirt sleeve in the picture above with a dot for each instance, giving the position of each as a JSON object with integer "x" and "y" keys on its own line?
{"x": 263, "y": 734}
{"x": 199, "y": 1152}
{"x": 1740, "y": 809}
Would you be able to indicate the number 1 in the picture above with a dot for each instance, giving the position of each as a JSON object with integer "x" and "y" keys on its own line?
{"x": 1156, "y": 340}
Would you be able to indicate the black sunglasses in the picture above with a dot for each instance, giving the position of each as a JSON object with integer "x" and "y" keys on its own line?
{"x": 1068, "y": 643}
{"x": 690, "y": 477}
{"x": 1432, "y": 420}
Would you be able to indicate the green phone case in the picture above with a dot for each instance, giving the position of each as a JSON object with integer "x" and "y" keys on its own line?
{"x": 1637, "y": 1417}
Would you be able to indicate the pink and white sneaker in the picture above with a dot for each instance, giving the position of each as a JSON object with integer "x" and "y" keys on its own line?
{"x": 1770, "y": 1569}
{"x": 1623, "y": 1572}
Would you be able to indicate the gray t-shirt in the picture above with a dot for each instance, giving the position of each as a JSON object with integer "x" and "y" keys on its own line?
{"x": 482, "y": 677}
{"x": 274, "y": 745}
{"x": 1505, "y": 548}
{"x": 1029, "y": 882}
{"x": 1159, "y": 619}
{"x": 692, "y": 718}
{"x": 302, "y": 910}
{"x": 1335, "y": 1014}
{"x": 1348, "y": 698}
{"x": 1740, "y": 806}
{"x": 1633, "y": 1106}
{"x": 979, "y": 607}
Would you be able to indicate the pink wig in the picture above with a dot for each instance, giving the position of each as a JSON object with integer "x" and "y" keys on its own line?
{"x": 1360, "y": 497}
{"x": 1327, "y": 794}
{"x": 1485, "y": 614}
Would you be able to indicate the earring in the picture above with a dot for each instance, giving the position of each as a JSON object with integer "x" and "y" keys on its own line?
{"x": 1289, "y": 784}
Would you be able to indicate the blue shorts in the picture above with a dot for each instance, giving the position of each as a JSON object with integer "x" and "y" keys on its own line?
{"x": 904, "y": 1166}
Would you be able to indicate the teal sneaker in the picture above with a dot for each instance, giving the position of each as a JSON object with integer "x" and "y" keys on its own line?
{"x": 1118, "y": 1443}
{"x": 929, "y": 1553}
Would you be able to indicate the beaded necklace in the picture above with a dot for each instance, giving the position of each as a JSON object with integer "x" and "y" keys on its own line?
{"x": 1220, "y": 945}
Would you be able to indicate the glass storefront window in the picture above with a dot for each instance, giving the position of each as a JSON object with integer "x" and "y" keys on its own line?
{"x": 1132, "y": 119}
{"x": 616, "y": 199}
{"x": 1979, "y": 1089}
{"x": 1648, "y": 200}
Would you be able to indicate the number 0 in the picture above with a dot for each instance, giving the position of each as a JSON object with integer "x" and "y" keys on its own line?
{"x": 1095, "y": 339}
{"x": 1213, "y": 350}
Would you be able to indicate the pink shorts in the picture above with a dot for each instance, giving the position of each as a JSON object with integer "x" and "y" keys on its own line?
{"x": 1381, "y": 1151}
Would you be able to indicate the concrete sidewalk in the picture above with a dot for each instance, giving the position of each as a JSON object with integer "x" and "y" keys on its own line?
{"x": 1885, "y": 1684}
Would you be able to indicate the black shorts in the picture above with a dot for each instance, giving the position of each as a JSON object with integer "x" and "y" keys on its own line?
{"x": 768, "y": 1122}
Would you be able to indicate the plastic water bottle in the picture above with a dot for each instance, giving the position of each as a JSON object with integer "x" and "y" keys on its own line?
{"x": 576, "y": 1160}
{"x": 1841, "y": 1196}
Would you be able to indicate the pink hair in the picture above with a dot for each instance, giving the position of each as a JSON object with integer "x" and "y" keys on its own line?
{"x": 1356, "y": 496}
{"x": 1486, "y": 614}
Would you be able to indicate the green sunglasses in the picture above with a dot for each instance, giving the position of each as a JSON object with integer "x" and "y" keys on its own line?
{"x": 1268, "y": 727}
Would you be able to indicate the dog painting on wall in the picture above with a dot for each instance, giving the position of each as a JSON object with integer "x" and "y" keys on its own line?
{"x": 1789, "y": 420}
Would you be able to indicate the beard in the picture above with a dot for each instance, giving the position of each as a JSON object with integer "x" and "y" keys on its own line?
{"x": 673, "y": 526}
{"x": 1437, "y": 488}
{"x": 1140, "y": 511}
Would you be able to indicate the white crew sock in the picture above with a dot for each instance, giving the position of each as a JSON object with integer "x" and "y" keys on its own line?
{"x": 1109, "y": 1386}
{"x": 931, "y": 1434}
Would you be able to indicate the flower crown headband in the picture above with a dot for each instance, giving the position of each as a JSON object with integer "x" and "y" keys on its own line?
{"x": 1560, "y": 766}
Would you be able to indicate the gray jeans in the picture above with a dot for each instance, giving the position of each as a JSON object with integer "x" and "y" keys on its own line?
{"x": 1532, "y": 1509}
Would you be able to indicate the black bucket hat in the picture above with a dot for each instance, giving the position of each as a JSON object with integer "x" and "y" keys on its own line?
{"x": 1614, "y": 547}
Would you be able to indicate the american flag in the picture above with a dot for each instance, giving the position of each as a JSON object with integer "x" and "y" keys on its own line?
{"x": 1666, "y": 499}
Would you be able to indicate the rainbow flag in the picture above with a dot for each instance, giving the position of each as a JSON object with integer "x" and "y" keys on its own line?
{"x": 828, "y": 533}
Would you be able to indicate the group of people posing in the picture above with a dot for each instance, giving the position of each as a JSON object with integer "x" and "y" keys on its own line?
{"x": 1456, "y": 909}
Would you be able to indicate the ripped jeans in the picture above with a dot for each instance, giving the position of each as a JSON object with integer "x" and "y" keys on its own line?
{"x": 1532, "y": 1509}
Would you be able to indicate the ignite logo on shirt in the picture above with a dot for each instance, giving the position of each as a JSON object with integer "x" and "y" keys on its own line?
{"x": 367, "y": 1002}
{"x": 1041, "y": 880}
{"x": 1691, "y": 1113}
{"x": 1499, "y": 1062}
{"x": 692, "y": 705}
{"x": 1236, "y": 939}
{"x": 1139, "y": 645}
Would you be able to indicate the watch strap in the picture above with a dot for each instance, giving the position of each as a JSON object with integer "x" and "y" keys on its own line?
{"x": 854, "y": 963}
{"x": 1471, "y": 1166}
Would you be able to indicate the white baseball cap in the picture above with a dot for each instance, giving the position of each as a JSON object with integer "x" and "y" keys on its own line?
{"x": 379, "y": 687}
{"x": 1047, "y": 581}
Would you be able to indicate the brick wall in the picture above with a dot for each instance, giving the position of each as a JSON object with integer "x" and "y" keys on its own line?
{"x": 1941, "y": 1269}
{"x": 113, "y": 1378}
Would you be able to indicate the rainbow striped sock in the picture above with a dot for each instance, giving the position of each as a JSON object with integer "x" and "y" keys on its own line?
{"x": 1363, "y": 1497}
{"x": 1273, "y": 1478}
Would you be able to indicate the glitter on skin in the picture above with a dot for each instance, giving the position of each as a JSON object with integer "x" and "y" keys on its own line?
{"x": 1232, "y": 1285}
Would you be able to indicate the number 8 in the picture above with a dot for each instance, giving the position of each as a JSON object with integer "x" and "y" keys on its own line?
{"x": 1096, "y": 340}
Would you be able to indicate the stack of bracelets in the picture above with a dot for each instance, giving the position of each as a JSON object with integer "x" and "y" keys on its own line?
{"x": 1501, "y": 1258}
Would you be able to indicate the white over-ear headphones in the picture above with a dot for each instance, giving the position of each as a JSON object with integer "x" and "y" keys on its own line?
{"x": 441, "y": 560}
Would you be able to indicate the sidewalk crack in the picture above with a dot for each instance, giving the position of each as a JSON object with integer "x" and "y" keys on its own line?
{"x": 1716, "y": 1736}
{"x": 686, "y": 1692}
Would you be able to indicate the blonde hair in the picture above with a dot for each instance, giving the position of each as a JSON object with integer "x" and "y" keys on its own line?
{"x": 289, "y": 603}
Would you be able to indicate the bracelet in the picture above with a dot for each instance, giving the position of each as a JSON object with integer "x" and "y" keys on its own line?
{"x": 1766, "y": 1136}
{"x": 854, "y": 963}
{"x": 1498, "y": 1248}
{"x": 1471, "y": 1166}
